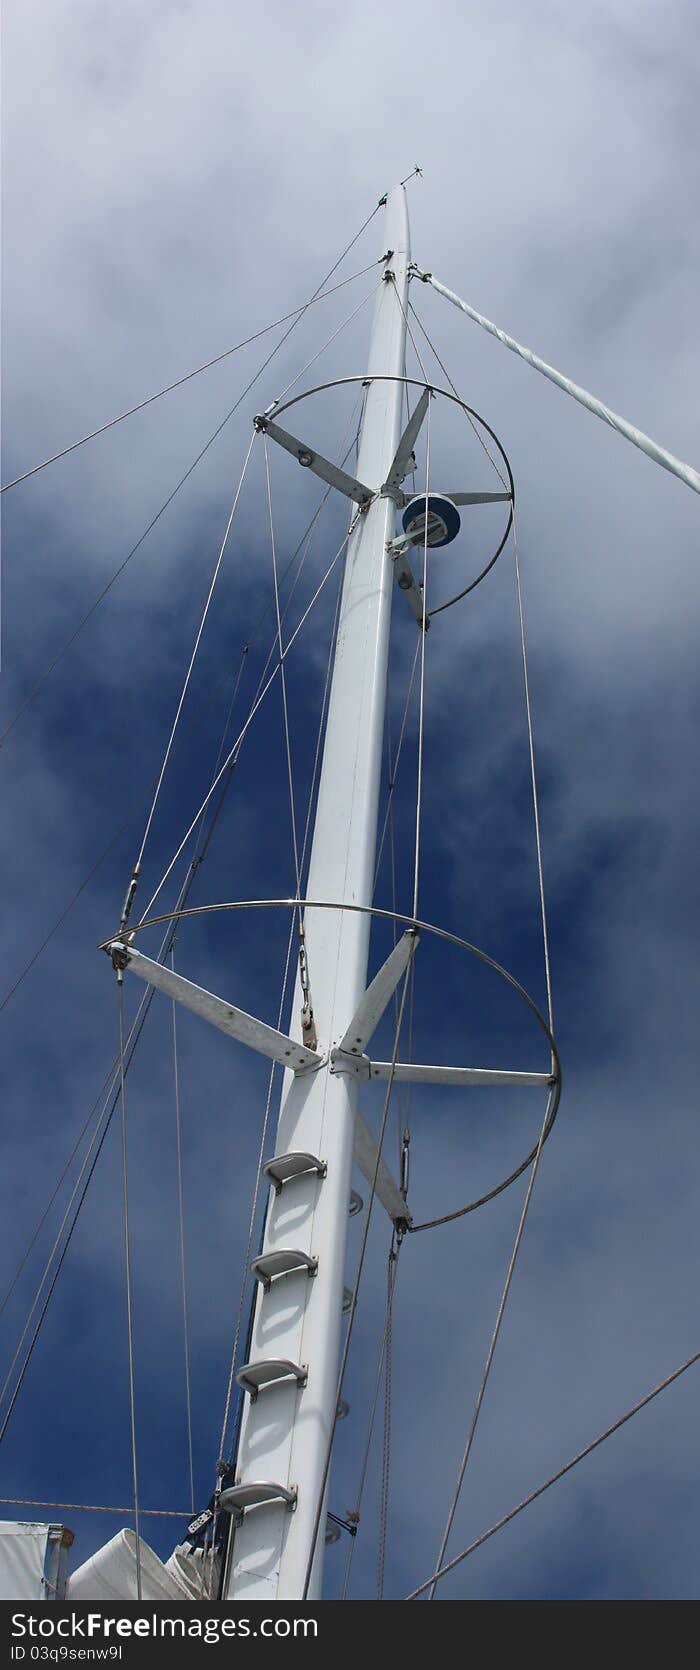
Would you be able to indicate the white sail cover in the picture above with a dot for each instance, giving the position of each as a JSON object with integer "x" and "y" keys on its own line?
{"x": 110, "y": 1574}
{"x": 32, "y": 1560}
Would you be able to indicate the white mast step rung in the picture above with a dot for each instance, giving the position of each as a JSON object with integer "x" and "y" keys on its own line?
{"x": 410, "y": 1072}
{"x": 254, "y": 1377}
{"x": 237, "y": 1498}
{"x": 332, "y": 1533}
{"x": 282, "y": 1167}
{"x": 282, "y": 1261}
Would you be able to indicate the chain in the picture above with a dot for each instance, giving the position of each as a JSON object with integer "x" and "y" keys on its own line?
{"x": 308, "y": 1024}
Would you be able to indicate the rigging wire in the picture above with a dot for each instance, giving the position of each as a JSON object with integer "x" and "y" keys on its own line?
{"x": 136, "y": 1029}
{"x": 394, "y": 896}
{"x": 181, "y": 1239}
{"x": 320, "y": 351}
{"x": 306, "y": 537}
{"x": 206, "y": 366}
{"x": 393, "y": 772}
{"x": 412, "y": 339}
{"x": 127, "y": 1281}
{"x": 64, "y": 913}
{"x": 354, "y": 1516}
{"x": 492, "y": 1347}
{"x": 71, "y": 640}
{"x": 543, "y": 1131}
{"x": 283, "y": 678}
{"x": 658, "y": 454}
{"x": 482, "y": 443}
{"x": 421, "y": 697}
{"x": 533, "y": 780}
{"x": 198, "y": 637}
{"x": 111, "y": 1076}
{"x": 251, "y": 716}
{"x": 94, "y": 1507}
{"x": 560, "y": 1474}
{"x": 263, "y": 1136}
{"x": 147, "y": 997}
{"x": 307, "y": 829}
{"x": 386, "y": 1444}
{"x": 110, "y": 1080}
{"x": 449, "y": 1217}
{"x": 186, "y": 682}
{"x": 135, "y": 1032}
{"x": 355, "y": 1289}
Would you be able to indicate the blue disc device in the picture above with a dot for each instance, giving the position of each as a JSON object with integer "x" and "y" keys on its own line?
{"x": 444, "y": 520}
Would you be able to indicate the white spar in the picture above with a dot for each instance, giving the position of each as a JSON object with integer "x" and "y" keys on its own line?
{"x": 285, "y": 1431}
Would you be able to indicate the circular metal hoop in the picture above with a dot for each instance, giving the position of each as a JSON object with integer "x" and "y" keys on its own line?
{"x": 554, "y": 1097}
{"x": 469, "y": 411}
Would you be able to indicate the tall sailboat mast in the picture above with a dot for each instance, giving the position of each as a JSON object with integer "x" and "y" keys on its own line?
{"x": 285, "y": 1433}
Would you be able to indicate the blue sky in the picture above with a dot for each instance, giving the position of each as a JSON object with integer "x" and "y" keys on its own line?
{"x": 173, "y": 181}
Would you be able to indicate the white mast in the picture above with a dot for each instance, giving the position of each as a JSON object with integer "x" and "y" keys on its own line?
{"x": 285, "y": 1431}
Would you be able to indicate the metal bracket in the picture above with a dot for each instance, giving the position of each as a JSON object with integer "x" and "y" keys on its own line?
{"x": 343, "y": 1062}
{"x": 312, "y": 460}
{"x": 406, "y": 583}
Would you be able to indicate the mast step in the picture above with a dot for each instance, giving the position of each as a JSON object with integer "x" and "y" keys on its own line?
{"x": 253, "y": 1377}
{"x": 356, "y": 1203}
{"x": 282, "y": 1167}
{"x": 332, "y": 1533}
{"x": 342, "y": 1409}
{"x": 283, "y": 1261}
{"x": 347, "y": 1299}
{"x": 237, "y": 1498}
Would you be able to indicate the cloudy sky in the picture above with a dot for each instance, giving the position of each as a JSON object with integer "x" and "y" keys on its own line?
{"x": 175, "y": 177}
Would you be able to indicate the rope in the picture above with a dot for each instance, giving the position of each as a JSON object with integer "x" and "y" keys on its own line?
{"x": 295, "y": 321}
{"x": 554, "y": 1477}
{"x": 206, "y": 366}
{"x": 423, "y": 636}
{"x": 181, "y": 1241}
{"x": 658, "y": 454}
{"x": 353, "y": 1304}
{"x": 185, "y": 687}
{"x": 492, "y": 1347}
{"x": 127, "y": 1278}
{"x": 386, "y": 1446}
